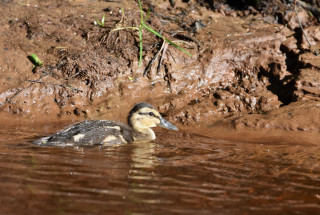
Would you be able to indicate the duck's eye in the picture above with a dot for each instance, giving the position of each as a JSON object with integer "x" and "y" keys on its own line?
{"x": 151, "y": 114}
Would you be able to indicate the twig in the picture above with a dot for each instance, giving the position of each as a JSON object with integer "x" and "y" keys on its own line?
{"x": 60, "y": 85}
{"x": 8, "y": 100}
{"x": 162, "y": 56}
{"x": 154, "y": 58}
{"x": 172, "y": 56}
{"x": 282, "y": 28}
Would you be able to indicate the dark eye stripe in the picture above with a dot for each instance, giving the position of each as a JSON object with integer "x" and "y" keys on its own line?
{"x": 149, "y": 113}
{"x": 140, "y": 113}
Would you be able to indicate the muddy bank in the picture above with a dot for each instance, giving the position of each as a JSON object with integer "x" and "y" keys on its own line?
{"x": 240, "y": 65}
{"x": 303, "y": 116}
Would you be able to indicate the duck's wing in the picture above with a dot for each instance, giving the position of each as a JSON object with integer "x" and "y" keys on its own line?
{"x": 89, "y": 133}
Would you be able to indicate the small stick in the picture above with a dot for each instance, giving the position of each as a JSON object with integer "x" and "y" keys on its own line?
{"x": 60, "y": 85}
{"x": 162, "y": 56}
{"x": 8, "y": 100}
{"x": 153, "y": 59}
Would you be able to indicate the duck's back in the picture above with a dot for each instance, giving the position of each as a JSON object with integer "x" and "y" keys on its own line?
{"x": 89, "y": 133}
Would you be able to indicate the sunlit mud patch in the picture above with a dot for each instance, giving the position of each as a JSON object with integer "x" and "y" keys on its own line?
{"x": 293, "y": 117}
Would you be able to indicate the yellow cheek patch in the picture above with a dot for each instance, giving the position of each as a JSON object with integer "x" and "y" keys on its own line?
{"x": 150, "y": 122}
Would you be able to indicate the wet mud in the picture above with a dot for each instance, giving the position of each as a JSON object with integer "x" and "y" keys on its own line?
{"x": 242, "y": 63}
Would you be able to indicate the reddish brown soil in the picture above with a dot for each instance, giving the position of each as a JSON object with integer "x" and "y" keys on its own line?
{"x": 245, "y": 71}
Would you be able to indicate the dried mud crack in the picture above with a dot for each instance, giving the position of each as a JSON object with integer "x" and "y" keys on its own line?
{"x": 243, "y": 70}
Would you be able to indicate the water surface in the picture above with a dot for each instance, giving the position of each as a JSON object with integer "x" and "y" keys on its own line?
{"x": 179, "y": 173}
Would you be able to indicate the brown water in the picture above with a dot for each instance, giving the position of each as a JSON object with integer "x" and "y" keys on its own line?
{"x": 179, "y": 173}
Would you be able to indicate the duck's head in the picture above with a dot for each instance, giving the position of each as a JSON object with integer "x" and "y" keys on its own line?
{"x": 143, "y": 116}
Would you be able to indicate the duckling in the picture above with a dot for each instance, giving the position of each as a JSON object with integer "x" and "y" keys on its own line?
{"x": 141, "y": 119}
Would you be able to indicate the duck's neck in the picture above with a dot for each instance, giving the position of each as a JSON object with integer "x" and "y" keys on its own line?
{"x": 148, "y": 133}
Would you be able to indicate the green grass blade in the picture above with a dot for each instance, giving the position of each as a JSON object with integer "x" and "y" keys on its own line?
{"x": 148, "y": 13}
{"x": 141, "y": 48}
{"x": 97, "y": 21}
{"x": 140, "y": 28}
{"x": 169, "y": 41}
{"x": 101, "y": 24}
{"x": 35, "y": 60}
{"x": 152, "y": 31}
{"x": 141, "y": 12}
{"x": 178, "y": 47}
{"x": 102, "y": 20}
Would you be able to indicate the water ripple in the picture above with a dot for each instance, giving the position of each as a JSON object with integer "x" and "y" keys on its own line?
{"x": 177, "y": 174}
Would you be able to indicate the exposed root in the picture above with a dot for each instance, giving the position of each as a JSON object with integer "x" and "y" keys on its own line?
{"x": 75, "y": 90}
{"x": 8, "y": 100}
{"x": 162, "y": 56}
{"x": 162, "y": 49}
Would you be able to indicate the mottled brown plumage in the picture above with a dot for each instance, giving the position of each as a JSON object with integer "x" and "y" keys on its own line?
{"x": 104, "y": 133}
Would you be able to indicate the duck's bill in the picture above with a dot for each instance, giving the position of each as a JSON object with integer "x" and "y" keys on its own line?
{"x": 165, "y": 124}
